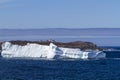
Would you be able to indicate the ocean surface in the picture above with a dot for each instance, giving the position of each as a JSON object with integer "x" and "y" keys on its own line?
{"x": 61, "y": 69}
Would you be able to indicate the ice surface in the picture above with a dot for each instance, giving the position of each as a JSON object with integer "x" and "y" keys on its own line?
{"x": 44, "y": 51}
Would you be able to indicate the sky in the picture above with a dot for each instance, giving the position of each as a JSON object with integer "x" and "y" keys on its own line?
{"x": 59, "y": 14}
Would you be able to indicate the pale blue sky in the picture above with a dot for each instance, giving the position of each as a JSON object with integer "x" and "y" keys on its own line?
{"x": 59, "y": 14}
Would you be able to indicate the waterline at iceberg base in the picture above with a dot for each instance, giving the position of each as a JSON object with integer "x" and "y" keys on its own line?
{"x": 50, "y": 51}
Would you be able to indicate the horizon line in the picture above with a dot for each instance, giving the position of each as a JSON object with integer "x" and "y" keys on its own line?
{"x": 58, "y": 28}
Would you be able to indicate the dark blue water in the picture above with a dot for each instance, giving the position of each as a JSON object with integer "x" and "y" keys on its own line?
{"x": 66, "y": 69}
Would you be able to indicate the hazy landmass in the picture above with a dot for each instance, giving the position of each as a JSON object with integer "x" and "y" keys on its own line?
{"x": 100, "y": 36}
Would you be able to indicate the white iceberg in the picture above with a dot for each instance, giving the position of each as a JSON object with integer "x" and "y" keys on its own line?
{"x": 44, "y": 51}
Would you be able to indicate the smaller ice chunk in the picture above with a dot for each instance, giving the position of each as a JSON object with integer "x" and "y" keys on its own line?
{"x": 93, "y": 54}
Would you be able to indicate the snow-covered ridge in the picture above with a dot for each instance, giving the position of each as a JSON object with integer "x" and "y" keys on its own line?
{"x": 44, "y": 51}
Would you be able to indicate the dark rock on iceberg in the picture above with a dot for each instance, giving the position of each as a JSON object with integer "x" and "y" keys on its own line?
{"x": 76, "y": 44}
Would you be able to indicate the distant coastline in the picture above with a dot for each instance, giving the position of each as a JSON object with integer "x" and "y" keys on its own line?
{"x": 99, "y": 36}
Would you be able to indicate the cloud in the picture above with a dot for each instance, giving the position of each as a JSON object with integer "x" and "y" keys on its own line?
{"x": 5, "y": 1}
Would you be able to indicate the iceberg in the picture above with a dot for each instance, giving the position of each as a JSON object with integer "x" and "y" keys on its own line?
{"x": 46, "y": 51}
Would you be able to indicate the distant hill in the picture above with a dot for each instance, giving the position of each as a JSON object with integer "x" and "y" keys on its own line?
{"x": 99, "y": 36}
{"x": 63, "y": 31}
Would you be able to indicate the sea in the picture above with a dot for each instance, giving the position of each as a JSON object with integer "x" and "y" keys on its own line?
{"x": 63, "y": 69}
